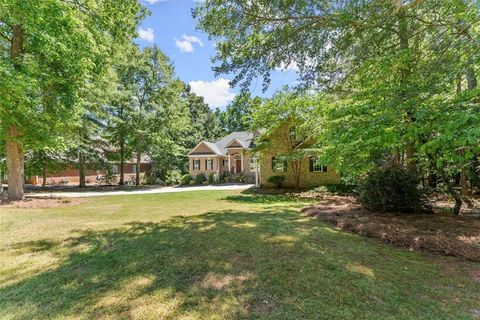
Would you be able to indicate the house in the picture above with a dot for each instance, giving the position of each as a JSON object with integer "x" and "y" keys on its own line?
{"x": 71, "y": 174}
{"x": 237, "y": 153}
{"x": 231, "y": 156}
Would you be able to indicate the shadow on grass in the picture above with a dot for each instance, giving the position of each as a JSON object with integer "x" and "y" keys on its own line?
{"x": 247, "y": 197}
{"x": 228, "y": 264}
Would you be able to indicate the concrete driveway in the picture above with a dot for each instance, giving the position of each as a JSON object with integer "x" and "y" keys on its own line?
{"x": 67, "y": 194}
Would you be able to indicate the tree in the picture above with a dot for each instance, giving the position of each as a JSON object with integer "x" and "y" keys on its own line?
{"x": 282, "y": 126}
{"x": 51, "y": 47}
{"x": 386, "y": 70}
{"x": 204, "y": 124}
{"x": 238, "y": 114}
{"x": 148, "y": 114}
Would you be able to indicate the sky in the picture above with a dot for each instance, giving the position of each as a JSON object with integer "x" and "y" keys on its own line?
{"x": 172, "y": 28}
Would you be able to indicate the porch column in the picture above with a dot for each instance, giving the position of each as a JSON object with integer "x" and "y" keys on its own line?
{"x": 229, "y": 165}
{"x": 241, "y": 159}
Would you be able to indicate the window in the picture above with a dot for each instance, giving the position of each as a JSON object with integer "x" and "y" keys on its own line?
{"x": 114, "y": 169}
{"x": 134, "y": 168}
{"x": 279, "y": 165}
{"x": 252, "y": 164}
{"x": 196, "y": 164}
{"x": 293, "y": 134}
{"x": 316, "y": 166}
{"x": 225, "y": 162}
{"x": 208, "y": 164}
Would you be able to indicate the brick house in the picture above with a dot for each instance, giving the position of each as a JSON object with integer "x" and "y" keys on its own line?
{"x": 237, "y": 153}
{"x": 231, "y": 155}
{"x": 71, "y": 175}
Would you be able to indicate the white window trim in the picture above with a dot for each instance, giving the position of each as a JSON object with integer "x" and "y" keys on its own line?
{"x": 195, "y": 162}
{"x": 209, "y": 164}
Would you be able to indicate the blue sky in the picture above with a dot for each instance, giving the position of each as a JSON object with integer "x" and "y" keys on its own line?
{"x": 172, "y": 28}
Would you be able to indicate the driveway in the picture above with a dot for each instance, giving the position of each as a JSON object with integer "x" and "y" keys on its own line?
{"x": 67, "y": 194}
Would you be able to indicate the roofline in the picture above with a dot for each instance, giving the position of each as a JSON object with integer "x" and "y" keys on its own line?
{"x": 203, "y": 141}
{"x": 240, "y": 142}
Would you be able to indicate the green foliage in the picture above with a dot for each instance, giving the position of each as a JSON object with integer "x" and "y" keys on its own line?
{"x": 391, "y": 189}
{"x": 200, "y": 178}
{"x": 185, "y": 179}
{"x": 174, "y": 177}
{"x": 276, "y": 180}
{"x": 213, "y": 178}
{"x": 238, "y": 114}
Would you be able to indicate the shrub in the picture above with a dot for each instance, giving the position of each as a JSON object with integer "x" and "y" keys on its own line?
{"x": 391, "y": 189}
{"x": 211, "y": 178}
{"x": 173, "y": 177}
{"x": 192, "y": 182}
{"x": 277, "y": 180}
{"x": 242, "y": 178}
{"x": 200, "y": 178}
{"x": 185, "y": 179}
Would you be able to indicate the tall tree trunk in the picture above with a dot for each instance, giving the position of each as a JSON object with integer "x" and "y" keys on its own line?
{"x": 81, "y": 157}
{"x": 81, "y": 170}
{"x": 403, "y": 34}
{"x": 296, "y": 174}
{"x": 471, "y": 84}
{"x": 456, "y": 196}
{"x": 137, "y": 172}
{"x": 44, "y": 174}
{"x": 14, "y": 147}
{"x": 1, "y": 182}
{"x": 463, "y": 173}
{"x": 122, "y": 162}
{"x": 15, "y": 164}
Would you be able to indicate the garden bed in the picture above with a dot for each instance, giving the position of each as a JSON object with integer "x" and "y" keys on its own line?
{"x": 439, "y": 232}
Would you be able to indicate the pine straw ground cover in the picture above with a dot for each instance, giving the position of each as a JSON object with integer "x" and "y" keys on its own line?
{"x": 438, "y": 232}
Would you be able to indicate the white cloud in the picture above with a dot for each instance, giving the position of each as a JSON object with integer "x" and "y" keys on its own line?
{"x": 152, "y": 1}
{"x": 146, "y": 34}
{"x": 185, "y": 45}
{"x": 292, "y": 66}
{"x": 216, "y": 92}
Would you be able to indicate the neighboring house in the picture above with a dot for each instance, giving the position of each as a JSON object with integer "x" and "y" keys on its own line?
{"x": 236, "y": 153}
{"x": 230, "y": 156}
{"x": 71, "y": 175}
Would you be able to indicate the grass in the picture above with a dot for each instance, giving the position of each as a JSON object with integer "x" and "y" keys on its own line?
{"x": 214, "y": 255}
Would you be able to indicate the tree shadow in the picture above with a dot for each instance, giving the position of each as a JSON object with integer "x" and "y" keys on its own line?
{"x": 227, "y": 264}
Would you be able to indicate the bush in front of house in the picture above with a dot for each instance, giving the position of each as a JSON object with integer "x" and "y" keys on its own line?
{"x": 213, "y": 178}
{"x": 277, "y": 181}
{"x": 391, "y": 189}
{"x": 200, "y": 178}
{"x": 192, "y": 182}
{"x": 185, "y": 179}
{"x": 173, "y": 177}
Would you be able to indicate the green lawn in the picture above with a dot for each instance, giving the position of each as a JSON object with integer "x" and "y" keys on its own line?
{"x": 214, "y": 255}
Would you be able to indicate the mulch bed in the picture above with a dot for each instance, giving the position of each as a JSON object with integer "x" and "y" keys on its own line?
{"x": 439, "y": 232}
{"x": 35, "y": 203}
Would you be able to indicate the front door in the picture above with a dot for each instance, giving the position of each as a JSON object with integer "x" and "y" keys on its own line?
{"x": 238, "y": 165}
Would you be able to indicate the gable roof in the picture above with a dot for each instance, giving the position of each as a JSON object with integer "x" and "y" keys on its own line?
{"x": 220, "y": 147}
{"x": 244, "y": 137}
{"x": 212, "y": 146}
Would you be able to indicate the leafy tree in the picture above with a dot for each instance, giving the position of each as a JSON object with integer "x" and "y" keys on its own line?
{"x": 238, "y": 114}
{"x": 48, "y": 49}
{"x": 387, "y": 70}
{"x": 282, "y": 126}
{"x": 204, "y": 123}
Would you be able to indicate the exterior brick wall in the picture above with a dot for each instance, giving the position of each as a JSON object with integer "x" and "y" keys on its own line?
{"x": 279, "y": 144}
{"x": 307, "y": 179}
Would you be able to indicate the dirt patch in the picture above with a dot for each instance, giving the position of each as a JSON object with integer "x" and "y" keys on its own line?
{"x": 221, "y": 282}
{"x": 439, "y": 232}
{"x": 35, "y": 203}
